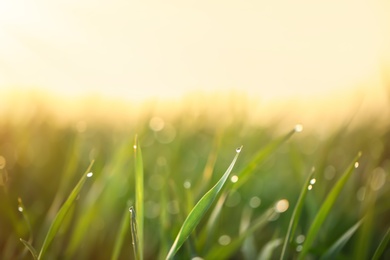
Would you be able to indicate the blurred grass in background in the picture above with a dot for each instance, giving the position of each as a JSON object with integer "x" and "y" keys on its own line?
{"x": 184, "y": 155}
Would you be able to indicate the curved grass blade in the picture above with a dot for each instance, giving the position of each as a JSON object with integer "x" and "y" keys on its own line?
{"x": 382, "y": 246}
{"x": 199, "y": 210}
{"x": 224, "y": 252}
{"x": 244, "y": 175}
{"x": 123, "y": 228}
{"x": 56, "y": 224}
{"x": 296, "y": 215}
{"x": 333, "y": 251}
{"x": 325, "y": 208}
{"x": 139, "y": 196}
{"x": 30, "y": 248}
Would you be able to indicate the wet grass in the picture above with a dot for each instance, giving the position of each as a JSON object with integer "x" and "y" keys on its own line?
{"x": 189, "y": 195}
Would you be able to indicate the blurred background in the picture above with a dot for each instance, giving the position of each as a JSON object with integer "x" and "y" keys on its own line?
{"x": 194, "y": 79}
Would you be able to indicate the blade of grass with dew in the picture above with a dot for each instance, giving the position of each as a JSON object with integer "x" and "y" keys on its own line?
{"x": 244, "y": 176}
{"x": 26, "y": 219}
{"x": 22, "y": 209}
{"x": 326, "y": 207}
{"x": 139, "y": 196}
{"x": 382, "y": 246}
{"x": 123, "y": 228}
{"x": 296, "y": 215}
{"x": 199, "y": 210}
{"x": 56, "y": 224}
{"x": 134, "y": 234}
{"x": 94, "y": 204}
{"x": 335, "y": 249}
{"x": 30, "y": 248}
{"x": 224, "y": 252}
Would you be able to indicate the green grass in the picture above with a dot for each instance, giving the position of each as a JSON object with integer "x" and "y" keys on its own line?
{"x": 189, "y": 195}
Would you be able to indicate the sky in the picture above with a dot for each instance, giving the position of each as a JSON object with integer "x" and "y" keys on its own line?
{"x": 142, "y": 49}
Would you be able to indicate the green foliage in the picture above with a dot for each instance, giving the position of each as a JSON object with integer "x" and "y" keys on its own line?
{"x": 199, "y": 210}
{"x": 178, "y": 213}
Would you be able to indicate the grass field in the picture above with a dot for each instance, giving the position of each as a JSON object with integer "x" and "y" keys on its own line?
{"x": 285, "y": 194}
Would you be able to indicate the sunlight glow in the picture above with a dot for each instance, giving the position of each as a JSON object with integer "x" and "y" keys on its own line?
{"x": 166, "y": 49}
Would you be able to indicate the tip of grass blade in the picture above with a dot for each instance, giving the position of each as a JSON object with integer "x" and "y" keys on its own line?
{"x": 30, "y": 248}
{"x": 59, "y": 218}
{"x": 199, "y": 210}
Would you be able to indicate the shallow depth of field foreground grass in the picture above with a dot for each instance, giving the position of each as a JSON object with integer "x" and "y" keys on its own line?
{"x": 194, "y": 192}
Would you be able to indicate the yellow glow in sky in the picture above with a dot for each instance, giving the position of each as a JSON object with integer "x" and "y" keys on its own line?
{"x": 139, "y": 49}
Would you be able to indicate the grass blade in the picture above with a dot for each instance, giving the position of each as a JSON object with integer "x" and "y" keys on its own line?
{"x": 123, "y": 228}
{"x": 199, "y": 210}
{"x": 139, "y": 196}
{"x": 56, "y": 224}
{"x": 244, "y": 175}
{"x": 382, "y": 246}
{"x": 332, "y": 252}
{"x": 325, "y": 208}
{"x": 30, "y": 248}
{"x": 296, "y": 215}
{"x": 134, "y": 234}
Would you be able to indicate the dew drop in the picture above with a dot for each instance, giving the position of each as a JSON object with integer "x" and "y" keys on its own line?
{"x": 299, "y": 248}
{"x": 298, "y": 128}
{"x": 282, "y": 205}
{"x": 356, "y": 164}
{"x": 239, "y": 149}
{"x": 20, "y": 209}
{"x": 224, "y": 240}
{"x": 299, "y": 239}
{"x": 234, "y": 178}
{"x": 310, "y": 187}
{"x": 135, "y": 146}
{"x": 254, "y": 202}
{"x": 312, "y": 181}
{"x": 187, "y": 184}
{"x": 89, "y": 174}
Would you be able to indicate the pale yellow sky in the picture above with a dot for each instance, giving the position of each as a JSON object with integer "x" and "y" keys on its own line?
{"x": 141, "y": 49}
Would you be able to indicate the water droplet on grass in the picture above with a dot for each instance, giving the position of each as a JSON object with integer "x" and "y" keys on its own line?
{"x": 298, "y": 128}
{"x": 135, "y": 147}
{"x": 239, "y": 149}
{"x": 356, "y": 164}
{"x": 299, "y": 248}
{"x": 312, "y": 181}
{"x": 89, "y": 174}
{"x": 224, "y": 240}
{"x": 254, "y": 202}
{"x": 281, "y": 206}
{"x": 300, "y": 239}
{"x": 20, "y": 209}
{"x": 234, "y": 178}
{"x": 310, "y": 187}
{"x": 187, "y": 184}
